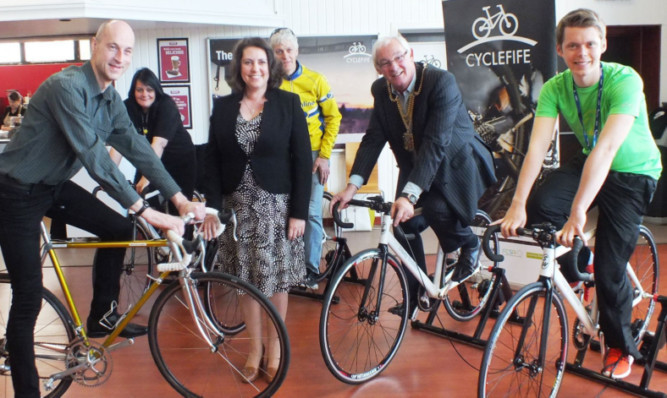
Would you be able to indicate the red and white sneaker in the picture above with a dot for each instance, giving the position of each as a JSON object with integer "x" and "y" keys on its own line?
{"x": 617, "y": 365}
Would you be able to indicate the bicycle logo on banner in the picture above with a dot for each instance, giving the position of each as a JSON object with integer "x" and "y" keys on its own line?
{"x": 507, "y": 23}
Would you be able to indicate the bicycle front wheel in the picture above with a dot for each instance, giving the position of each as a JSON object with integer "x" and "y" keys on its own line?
{"x": 359, "y": 336}
{"x": 512, "y": 365}
{"x": 189, "y": 363}
{"x": 53, "y": 332}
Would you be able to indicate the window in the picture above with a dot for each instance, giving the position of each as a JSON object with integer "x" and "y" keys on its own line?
{"x": 10, "y": 53}
{"x": 49, "y": 51}
{"x": 45, "y": 51}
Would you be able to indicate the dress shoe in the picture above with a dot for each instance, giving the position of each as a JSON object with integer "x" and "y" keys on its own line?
{"x": 95, "y": 330}
{"x": 270, "y": 374}
{"x": 249, "y": 374}
{"x": 468, "y": 263}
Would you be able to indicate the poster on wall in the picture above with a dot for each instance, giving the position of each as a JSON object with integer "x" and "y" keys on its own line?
{"x": 174, "y": 65}
{"x": 345, "y": 61}
{"x": 181, "y": 96}
{"x": 501, "y": 53}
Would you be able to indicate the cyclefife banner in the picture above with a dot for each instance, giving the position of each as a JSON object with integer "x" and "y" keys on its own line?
{"x": 501, "y": 53}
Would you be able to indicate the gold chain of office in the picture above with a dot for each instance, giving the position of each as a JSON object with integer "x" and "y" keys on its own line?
{"x": 406, "y": 116}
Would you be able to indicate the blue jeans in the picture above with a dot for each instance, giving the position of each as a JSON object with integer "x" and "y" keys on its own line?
{"x": 314, "y": 233}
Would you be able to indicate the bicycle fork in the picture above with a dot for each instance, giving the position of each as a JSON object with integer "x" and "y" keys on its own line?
{"x": 364, "y": 314}
{"x": 199, "y": 315}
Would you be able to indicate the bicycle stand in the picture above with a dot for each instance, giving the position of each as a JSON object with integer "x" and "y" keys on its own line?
{"x": 500, "y": 284}
{"x": 650, "y": 361}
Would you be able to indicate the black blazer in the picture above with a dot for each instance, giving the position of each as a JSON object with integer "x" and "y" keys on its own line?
{"x": 281, "y": 161}
{"x": 450, "y": 156}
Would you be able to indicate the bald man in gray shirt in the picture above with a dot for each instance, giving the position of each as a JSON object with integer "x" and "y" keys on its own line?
{"x": 72, "y": 116}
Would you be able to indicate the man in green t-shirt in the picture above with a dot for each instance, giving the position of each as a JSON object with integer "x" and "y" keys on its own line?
{"x": 617, "y": 171}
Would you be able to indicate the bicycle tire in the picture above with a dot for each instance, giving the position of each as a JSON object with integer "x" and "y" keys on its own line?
{"x": 54, "y": 327}
{"x": 350, "y": 329}
{"x": 138, "y": 267}
{"x": 469, "y": 298}
{"x": 186, "y": 361}
{"x": 645, "y": 264}
{"x": 510, "y": 366}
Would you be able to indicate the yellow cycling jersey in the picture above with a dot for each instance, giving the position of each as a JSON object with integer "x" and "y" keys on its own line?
{"x": 318, "y": 104}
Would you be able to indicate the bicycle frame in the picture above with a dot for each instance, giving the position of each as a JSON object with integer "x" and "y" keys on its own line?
{"x": 434, "y": 290}
{"x": 193, "y": 301}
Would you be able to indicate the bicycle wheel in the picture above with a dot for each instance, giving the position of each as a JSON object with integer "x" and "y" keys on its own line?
{"x": 188, "y": 363}
{"x": 644, "y": 262}
{"x": 53, "y": 332}
{"x": 358, "y": 338}
{"x": 137, "y": 266}
{"x": 511, "y": 366}
{"x": 469, "y": 298}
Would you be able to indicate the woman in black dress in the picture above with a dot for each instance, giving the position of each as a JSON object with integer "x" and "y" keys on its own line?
{"x": 156, "y": 116}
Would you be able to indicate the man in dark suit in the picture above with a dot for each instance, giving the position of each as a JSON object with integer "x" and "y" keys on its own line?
{"x": 444, "y": 166}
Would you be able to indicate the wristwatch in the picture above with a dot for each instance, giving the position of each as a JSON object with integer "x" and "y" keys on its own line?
{"x": 144, "y": 206}
{"x": 411, "y": 197}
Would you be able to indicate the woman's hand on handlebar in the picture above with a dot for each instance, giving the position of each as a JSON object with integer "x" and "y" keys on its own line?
{"x": 514, "y": 218}
{"x": 210, "y": 226}
{"x": 185, "y": 206}
{"x": 343, "y": 197}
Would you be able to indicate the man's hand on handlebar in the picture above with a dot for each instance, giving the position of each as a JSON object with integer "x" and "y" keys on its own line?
{"x": 514, "y": 218}
{"x": 402, "y": 210}
{"x": 164, "y": 221}
{"x": 343, "y": 197}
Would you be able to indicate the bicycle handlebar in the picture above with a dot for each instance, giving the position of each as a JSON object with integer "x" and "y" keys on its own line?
{"x": 544, "y": 234}
{"x": 187, "y": 247}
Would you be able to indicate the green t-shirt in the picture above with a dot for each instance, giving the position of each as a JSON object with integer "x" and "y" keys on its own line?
{"x": 622, "y": 93}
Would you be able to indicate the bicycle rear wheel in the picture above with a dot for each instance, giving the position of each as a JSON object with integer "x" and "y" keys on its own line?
{"x": 644, "y": 262}
{"x": 511, "y": 365}
{"x": 469, "y": 298}
{"x": 138, "y": 264}
{"x": 188, "y": 363}
{"x": 53, "y": 332}
{"x": 359, "y": 337}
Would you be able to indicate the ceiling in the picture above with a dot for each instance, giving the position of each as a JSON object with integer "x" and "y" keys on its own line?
{"x": 75, "y": 26}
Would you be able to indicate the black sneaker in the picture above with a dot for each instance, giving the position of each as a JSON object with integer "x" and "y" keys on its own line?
{"x": 467, "y": 264}
{"x": 310, "y": 281}
{"x": 95, "y": 328}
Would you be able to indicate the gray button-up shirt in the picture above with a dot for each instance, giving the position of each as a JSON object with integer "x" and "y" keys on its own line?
{"x": 66, "y": 127}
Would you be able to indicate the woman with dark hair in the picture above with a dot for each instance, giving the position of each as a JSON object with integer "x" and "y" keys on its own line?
{"x": 258, "y": 160}
{"x": 15, "y": 108}
{"x": 156, "y": 116}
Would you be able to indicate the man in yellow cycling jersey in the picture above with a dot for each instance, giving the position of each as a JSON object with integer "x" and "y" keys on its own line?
{"x": 323, "y": 119}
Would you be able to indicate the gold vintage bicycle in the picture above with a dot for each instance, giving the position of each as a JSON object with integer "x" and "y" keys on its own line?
{"x": 197, "y": 335}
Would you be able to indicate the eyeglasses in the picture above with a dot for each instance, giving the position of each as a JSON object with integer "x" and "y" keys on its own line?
{"x": 385, "y": 63}
{"x": 278, "y": 30}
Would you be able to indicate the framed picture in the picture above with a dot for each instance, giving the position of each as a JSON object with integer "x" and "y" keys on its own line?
{"x": 173, "y": 60}
{"x": 181, "y": 96}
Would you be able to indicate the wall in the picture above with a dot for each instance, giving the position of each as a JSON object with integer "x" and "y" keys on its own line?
{"x": 26, "y": 78}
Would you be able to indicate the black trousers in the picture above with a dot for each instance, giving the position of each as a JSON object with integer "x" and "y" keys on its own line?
{"x": 451, "y": 232}
{"x": 621, "y": 202}
{"x": 21, "y": 211}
